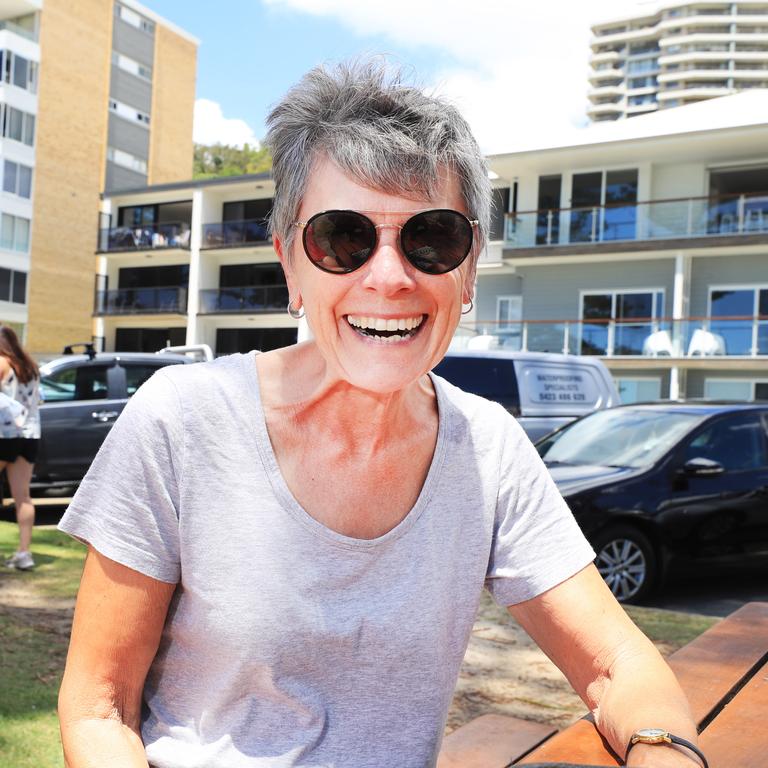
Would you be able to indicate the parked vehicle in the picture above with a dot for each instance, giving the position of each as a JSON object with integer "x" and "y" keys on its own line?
{"x": 83, "y": 396}
{"x": 544, "y": 391}
{"x": 652, "y": 482}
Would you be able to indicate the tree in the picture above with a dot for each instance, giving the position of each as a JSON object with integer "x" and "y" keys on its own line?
{"x": 212, "y": 160}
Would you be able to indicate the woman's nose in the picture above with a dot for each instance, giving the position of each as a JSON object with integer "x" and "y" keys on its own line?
{"x": 388, "y": 270}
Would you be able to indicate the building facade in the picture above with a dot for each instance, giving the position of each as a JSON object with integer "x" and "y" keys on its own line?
{"x": 96, "y": 94}
{"x": 676, "y": 54}
{"x": 644, "y": 242}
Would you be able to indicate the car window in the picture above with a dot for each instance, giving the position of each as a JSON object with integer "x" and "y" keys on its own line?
{"x": 137, "y": 373}
{"x": 88, "y": 382}
{"x": 737, "y": 442}
{"x": 485, "y": 376}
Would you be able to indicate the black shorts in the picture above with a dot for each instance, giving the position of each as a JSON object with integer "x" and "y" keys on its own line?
{"x": 11, "y": 448}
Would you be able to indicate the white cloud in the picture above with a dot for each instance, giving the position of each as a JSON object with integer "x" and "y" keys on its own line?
{"x": 211, "y": 127}
{"x": 519, "y": 70}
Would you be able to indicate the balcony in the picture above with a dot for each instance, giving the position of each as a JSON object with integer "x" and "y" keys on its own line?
{"x": 247, "y": 300}
{"x": 234, "y": 234}
{"x": 653, "y": 220}
{"x": 148, "y": 236}
{"x": 170, "y": 299}
{"x": 17, "y": 29}
{"x": 690, "y": 339}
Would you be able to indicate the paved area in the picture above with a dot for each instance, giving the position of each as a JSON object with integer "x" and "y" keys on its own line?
{"x": 714, "y": 590}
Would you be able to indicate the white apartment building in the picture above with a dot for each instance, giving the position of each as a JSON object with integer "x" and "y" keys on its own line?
{"x": 644, "y": 242}
{"x": 676, "y": 54}
{"x": 19, "y": 62}
{"x": 193, "y": 263}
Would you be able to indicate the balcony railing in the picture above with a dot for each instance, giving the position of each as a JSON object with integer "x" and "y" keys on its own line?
{"x": 167, "y": 235}
{"x": 248, "y": 299}
{"x": 650, "y": 220}
{"x": 690, "y": 337}
{"x": 229, "y": 234}
{"x": 11, "y": 26}
{"x": 138, "y": 301}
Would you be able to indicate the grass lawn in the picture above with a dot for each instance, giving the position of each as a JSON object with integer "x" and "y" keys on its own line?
{"x": 34, "y": 632}
{"x": 35, "y": 615}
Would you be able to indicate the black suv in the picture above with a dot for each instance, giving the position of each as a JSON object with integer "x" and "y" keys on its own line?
{"x": 83, "y": 396}
{"x": 654, "y": 481}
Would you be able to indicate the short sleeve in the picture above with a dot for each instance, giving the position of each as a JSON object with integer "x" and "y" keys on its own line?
{"x": 127, "y": 506}
{"x": 537, "y": 543}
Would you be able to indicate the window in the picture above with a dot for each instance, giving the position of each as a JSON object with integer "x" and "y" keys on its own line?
{"x": 126, "y": 160}
{"x": 639, "y": 390}
{"x": 18, "y": 71}
{"x": 17, "y": 179}
{"x": 14, "y": 233}
{"x": 509, "y": 312}
{"x": 17, "y": 125}
{"x": 128, "y": 112}
{"x": 619, "y": 322}
{"x": 739, "y": 316}
{"x": 132, "y": 66}
{"x": 499, "y": 208}
{"x": 84, "y": 383}
{"x": 134, "y": 19}
{"x": 137, "y": 373}
{"x": 590, "y": 222}
{"x": 13, "y": 286}
{"x": 737, "y": 442}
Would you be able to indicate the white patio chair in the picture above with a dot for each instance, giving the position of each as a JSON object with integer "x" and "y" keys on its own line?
{"x": 658, "y": 343}
{"x": 706, "y": 344}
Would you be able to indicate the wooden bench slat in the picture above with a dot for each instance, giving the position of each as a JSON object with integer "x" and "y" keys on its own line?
{"x": 708, "y": 667}
{"x": 580, "y": 743}
{"x": 491, "y": 741}
{"x": 738, "y": 736}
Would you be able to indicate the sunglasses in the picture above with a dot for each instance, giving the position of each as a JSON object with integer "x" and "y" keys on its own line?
{"x": 435, "y": 242}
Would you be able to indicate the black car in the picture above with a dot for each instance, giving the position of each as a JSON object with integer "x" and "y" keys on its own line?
{"x": 650, "y": 482}
{"x": 82, "y": 397}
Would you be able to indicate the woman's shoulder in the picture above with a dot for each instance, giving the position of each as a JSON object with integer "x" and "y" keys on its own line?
{"x": 227, "y": 373}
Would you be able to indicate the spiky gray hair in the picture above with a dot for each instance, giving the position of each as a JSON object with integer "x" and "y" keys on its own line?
{"x": 383, "y": 133}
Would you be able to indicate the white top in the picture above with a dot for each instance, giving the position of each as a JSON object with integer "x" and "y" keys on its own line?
{"x": 28, "y": 396}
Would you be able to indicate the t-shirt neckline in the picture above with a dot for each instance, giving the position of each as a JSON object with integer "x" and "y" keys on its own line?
{"x": 291, "y": 505}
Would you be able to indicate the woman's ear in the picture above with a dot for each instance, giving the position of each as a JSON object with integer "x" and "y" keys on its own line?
{"x": 287, "y": 265}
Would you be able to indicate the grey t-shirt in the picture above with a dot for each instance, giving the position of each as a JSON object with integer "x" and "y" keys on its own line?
{"x": 286, "y": 643}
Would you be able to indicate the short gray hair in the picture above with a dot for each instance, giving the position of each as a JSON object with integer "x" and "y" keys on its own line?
{"x": 383, "y": 133}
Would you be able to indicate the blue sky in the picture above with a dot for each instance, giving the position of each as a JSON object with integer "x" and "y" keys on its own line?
{"x": 517, "y": 69}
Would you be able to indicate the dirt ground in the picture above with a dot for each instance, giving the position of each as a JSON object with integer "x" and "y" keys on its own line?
{"x": 503, "y": 670}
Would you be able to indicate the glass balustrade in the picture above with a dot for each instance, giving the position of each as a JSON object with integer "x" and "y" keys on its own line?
{"x": 134, "y": 301}
{"x": 146, "y": 236}
{"x": 257, "y": 298}
{"x": 641, "y": 337}
{"x": 652, "y": 220}
{"x": 227, "y": 234}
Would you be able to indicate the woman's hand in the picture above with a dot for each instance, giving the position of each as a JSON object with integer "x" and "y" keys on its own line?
{"x": 118, "y": 622}
{"x": 615, "y": 669}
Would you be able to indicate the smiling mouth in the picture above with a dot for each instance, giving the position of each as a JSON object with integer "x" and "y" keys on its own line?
{"x": 386, "y": 330}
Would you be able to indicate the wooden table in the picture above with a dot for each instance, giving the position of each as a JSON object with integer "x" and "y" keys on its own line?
{"x": 724, "y": 673}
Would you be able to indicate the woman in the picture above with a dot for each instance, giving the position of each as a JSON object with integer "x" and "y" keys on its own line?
{"x": 19, "y": 436}
{"x": 287, "y": 550}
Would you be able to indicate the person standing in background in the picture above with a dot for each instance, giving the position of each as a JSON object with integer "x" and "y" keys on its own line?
{"x": 19, "y": 436}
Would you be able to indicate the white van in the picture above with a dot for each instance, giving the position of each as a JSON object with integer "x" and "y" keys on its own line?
{"x": 543, "y": 391}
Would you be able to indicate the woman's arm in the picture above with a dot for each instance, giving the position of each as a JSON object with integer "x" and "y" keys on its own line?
{"x": 615, "y": 669}
{"x": 118, "y": 621}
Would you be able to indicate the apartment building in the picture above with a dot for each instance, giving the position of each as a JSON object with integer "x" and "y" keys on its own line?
{"x": 676, "y": 54}
{"x": 191, "y": 262}
{"x": 94, "y": 95}
{"x": 644, "y": 242}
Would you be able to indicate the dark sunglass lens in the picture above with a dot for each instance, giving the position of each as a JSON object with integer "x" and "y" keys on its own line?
{"x": 339, "y": 241}
{"x": 437, "y": 241}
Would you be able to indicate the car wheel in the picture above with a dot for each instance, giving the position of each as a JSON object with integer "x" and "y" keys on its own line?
{"x": 627, "y": 561}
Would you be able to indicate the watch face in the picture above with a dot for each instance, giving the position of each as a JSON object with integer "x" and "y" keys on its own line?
{"x": 652, "y": 733}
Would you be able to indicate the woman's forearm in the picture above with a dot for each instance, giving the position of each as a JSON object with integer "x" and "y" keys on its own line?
{"x": 101, "y": 743}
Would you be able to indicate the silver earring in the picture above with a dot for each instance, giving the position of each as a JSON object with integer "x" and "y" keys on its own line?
{"x": 471, "y": 307}
{"x": 296, "y": 314}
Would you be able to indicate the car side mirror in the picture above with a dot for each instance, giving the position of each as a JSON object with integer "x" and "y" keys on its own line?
{"x": 702, "y": 466}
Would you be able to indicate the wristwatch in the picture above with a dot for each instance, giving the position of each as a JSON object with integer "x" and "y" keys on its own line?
{"x": 660, "y": 736}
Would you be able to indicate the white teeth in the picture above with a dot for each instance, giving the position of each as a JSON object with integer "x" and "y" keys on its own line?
{"x": 384, "y": 324}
